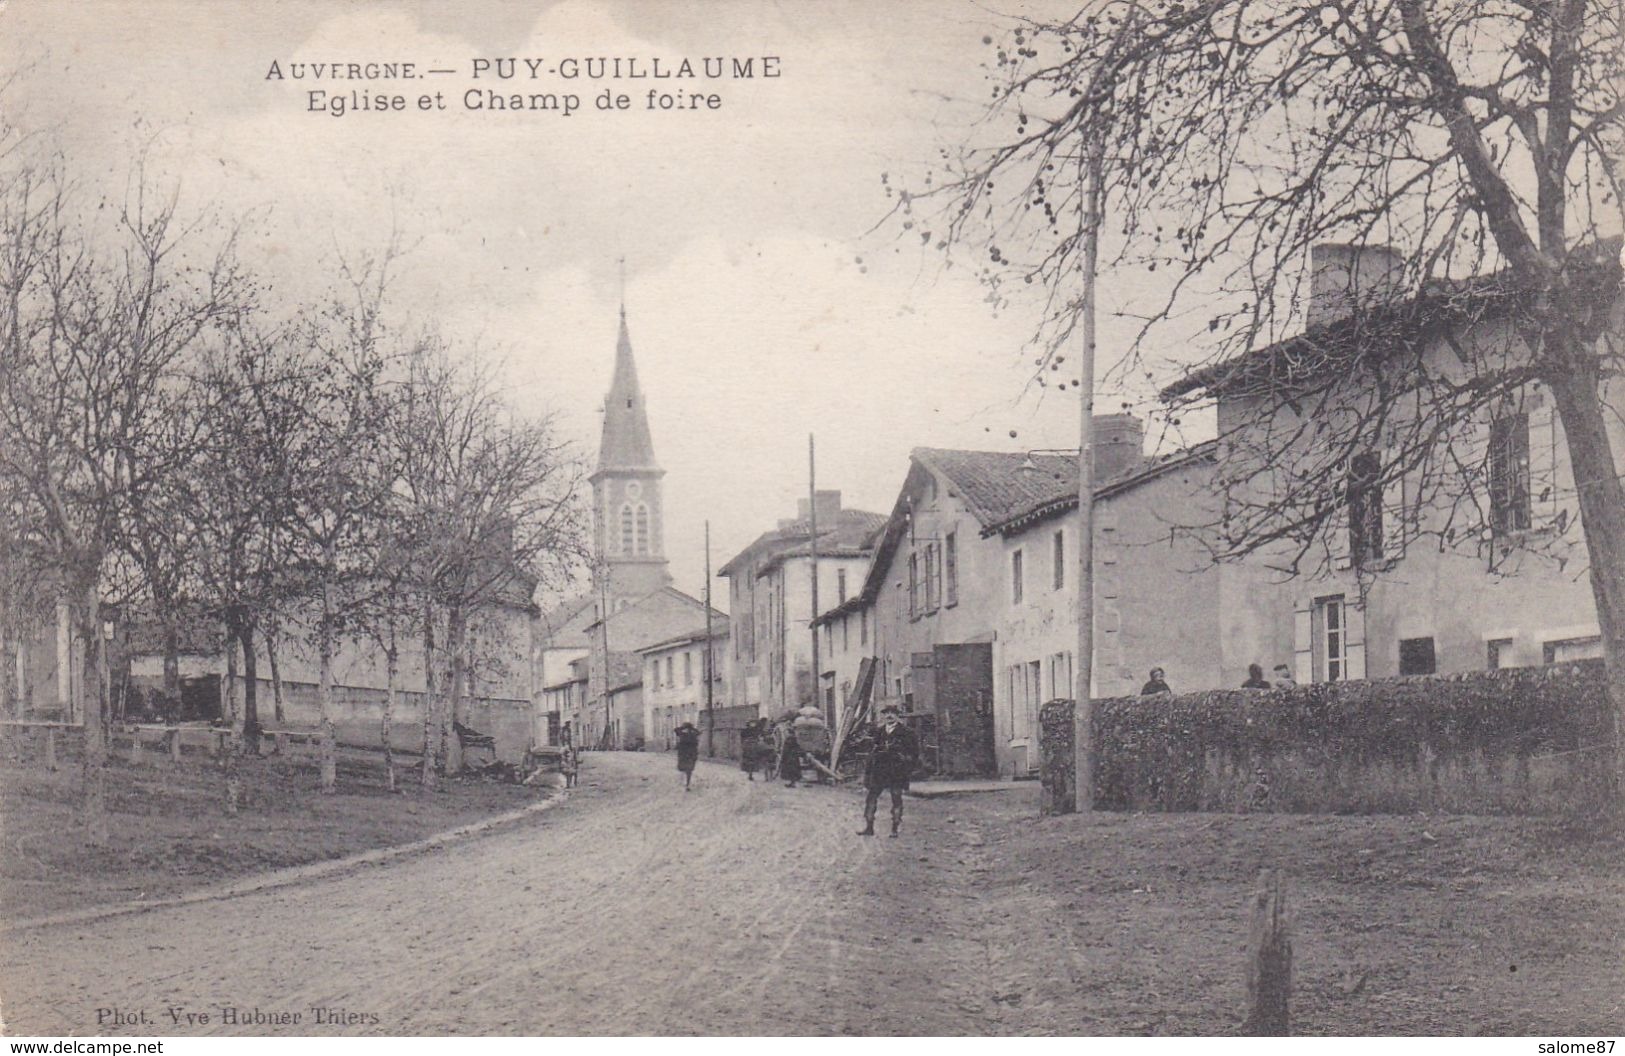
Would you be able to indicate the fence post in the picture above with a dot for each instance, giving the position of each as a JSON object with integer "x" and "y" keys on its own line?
{"x": 1269, "y": 960}
{"x": 174, "y": 744}
{"x": 50, "y": 748}
{"x": 135, "y": 746}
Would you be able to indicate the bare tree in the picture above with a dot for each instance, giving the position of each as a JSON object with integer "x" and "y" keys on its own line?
{"x": 492, "y": 512}
{"x": 95, "y": 326}
{"x": 1480, "y": 140}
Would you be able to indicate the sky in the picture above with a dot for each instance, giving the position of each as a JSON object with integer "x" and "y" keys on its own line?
{"x": 767, "y": 298}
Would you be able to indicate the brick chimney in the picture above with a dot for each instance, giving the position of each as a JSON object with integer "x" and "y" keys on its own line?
{"x": 1343, "y": 278}
{"x": 829, "y": 507}
{"x": 1119, "y": 445}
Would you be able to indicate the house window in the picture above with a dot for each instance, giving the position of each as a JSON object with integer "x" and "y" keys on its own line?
{"x": 950, "y": 563}
{"x": 688, "y": 669}
{"x": 829, "y": 641}
{"x": 1035, "y": 696}
{"x": 863, "y": 627}
{"x": 1567, "y": 649}
{"x": 1060, "y": 676}
{"x": 846, "y": 635}
{"x": 1509, "y": 473}
{"x": 933, "y": 578}
{"x": 1416, "y": 656}
{"x": 840, "y": 585}
{"x": 628, "y": 537}
{"x": 1060, "y": 560}
{"x": 671, "y": 677}
{"x": 1015, "y": 578}
{"x": 1331, "y": 639}
{"x": 1365, "y": 508}
{"x": 913, "y": 585}
{"x": 1497, "y": 653}
{"x": 1018, "y": 703}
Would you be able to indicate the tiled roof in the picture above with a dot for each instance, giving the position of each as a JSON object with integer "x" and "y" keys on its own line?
{"x": 718, "y": 630}
{"x": 997, "y": 485}
{"x": 852, "y": 535}
{"x": 1105, "y": 489}
{"x": 1374, "y": 333}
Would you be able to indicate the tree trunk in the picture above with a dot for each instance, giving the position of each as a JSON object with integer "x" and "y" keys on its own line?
{"x": 1269, "y": 961}
{"x": 324, "y": 691}
{"x": 392, "y": 678}
{"x": 272, "y": 641}
{"x": 1578, "y": 394}
{"x": 228, "y": 712}
{"x": 172, "y": 667}
{"x": 93, "y": 709}
{"x": 431, "y": 707}
{"x": 250, "y": 730}
{"x": 456, "y": 629}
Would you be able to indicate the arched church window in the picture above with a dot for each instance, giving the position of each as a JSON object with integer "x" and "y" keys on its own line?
{"x": 643, "y": 528}
{"x": 628, "y": 538}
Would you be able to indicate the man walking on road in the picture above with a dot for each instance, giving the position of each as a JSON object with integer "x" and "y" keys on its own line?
{"x": 891, "y": 762}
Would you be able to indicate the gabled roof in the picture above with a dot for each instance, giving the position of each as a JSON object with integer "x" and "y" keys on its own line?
{"x": 852, "y": 535}
{"x": 1374, "y": 333}
{"x": 1040, "y": 511}
{"x": 1049, "y": 488}
{"x": 718, "y": 631}
{"x": 564, "y": 626}
{"x": 995, "y": 485}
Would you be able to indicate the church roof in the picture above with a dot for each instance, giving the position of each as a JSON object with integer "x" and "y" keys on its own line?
{"x": 625, "y": 442}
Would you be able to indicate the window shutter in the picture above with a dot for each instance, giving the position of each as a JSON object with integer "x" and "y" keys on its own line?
{"x": 1354, "y": 621}
{"x": 1543, "y": 492}
{"x": 1303, "y": 643}
{"x": 1396, "y": 514}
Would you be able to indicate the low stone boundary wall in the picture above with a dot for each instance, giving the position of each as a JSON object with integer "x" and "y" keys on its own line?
{"x": 1532, "y": 740}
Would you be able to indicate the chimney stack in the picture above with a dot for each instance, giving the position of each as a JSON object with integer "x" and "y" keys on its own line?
{"x": 1119, "y": 445}
{"x": 1345, "y": 278}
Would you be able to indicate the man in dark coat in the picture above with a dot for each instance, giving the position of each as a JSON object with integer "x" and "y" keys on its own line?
{"x": 688, "y": 751}
{"x": 893, "y": 754}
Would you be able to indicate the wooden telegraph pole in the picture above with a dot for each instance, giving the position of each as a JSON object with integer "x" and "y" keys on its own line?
{"x": 812, "y": 539}
{"x": 710, "y": 677}
{"x": 1083, "y": 708}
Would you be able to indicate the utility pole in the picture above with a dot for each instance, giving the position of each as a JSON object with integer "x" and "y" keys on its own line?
{"x": 710, "y": 678}
{"x": 1083, "y": 707}
{"x": 812, "y": 539}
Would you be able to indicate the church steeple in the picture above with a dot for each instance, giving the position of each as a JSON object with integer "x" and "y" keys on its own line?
{"x": 625, "y": 442}
{"x": 628, "y": 514}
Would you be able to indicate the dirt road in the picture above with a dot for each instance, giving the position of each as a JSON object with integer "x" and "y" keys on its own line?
{"x": 744, "y": 908}
{"x": 634, "y": 908}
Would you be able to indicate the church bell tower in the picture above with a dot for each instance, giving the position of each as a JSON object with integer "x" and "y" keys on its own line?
{"x": 628, "y": 515}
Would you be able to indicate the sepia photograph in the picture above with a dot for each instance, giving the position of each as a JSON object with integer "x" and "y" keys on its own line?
{"x": 772, "y": 518}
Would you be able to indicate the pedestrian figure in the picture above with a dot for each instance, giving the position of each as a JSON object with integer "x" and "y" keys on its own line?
{"x": 790, "y": 757}
{"x": 688, "y": 751}
{"x": 750, "y": 747}
{"x": 1156, "y": 686}
{"x": 1255, "y": 678}
{"x": 1283, "y": 677}
{"x": 893, "y": 753}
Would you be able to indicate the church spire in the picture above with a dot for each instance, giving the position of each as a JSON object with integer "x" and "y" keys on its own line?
{"x": 626, "y": 442}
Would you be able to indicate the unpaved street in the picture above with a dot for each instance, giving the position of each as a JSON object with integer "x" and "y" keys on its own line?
{"x": 737, "y": 908}
{"x": 740, "y": 908}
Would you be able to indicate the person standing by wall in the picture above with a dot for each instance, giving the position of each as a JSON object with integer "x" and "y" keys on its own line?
{"x": 894, "y": 753}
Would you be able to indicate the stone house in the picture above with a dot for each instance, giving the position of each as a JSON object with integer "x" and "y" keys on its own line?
{"x": 968, "y": 609}
{"x": 770, "y": 602}
{"x": 1458, "y": 554}
{"x": 674, "y": 682}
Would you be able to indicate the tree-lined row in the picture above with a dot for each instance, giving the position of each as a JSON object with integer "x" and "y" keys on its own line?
{"x": 177, "y": 439}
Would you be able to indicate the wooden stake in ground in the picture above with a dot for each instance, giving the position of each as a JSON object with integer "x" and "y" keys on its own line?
{"x": 1269, "y": 960}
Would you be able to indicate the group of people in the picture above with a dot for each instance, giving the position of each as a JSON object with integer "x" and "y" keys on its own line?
{"x": 1157, "y": 683}
{"x": 893, "y": 753}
